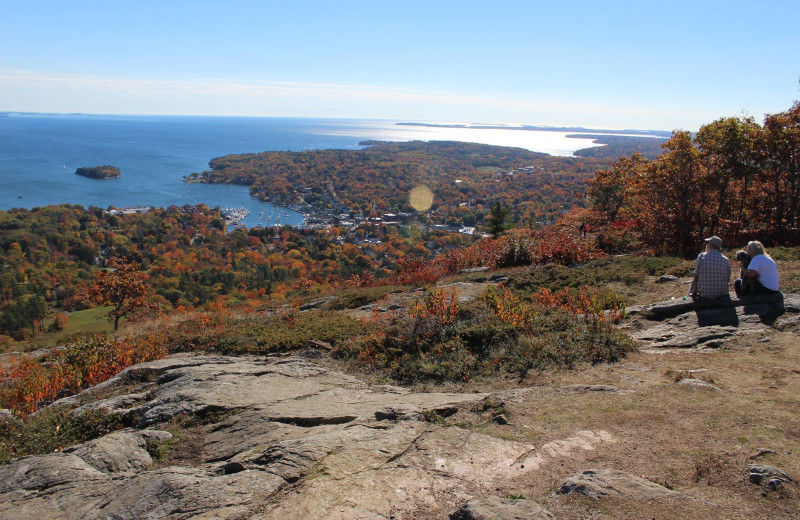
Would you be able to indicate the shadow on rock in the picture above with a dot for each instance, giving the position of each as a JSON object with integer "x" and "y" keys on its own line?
{"x": 768, "y": 308}
{"x": 708, "y": 316}
{"x": 708, "y": 324}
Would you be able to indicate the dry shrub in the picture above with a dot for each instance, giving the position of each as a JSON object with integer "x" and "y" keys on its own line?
{"x": 441, "y": 339}
{"x": 60, "y": 321}
{"x": 7, "y": 343}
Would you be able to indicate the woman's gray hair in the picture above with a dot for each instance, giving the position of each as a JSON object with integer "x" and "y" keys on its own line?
{"x": 756, "y": 247}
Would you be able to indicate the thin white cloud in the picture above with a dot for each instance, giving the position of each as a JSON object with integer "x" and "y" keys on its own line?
{"x": 34, "y": 91}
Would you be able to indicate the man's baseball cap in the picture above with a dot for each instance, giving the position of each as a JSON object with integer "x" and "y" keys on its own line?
{"x": 715, "y": 240}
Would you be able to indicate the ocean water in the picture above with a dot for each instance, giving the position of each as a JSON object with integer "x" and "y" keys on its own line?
{"x": 39, "y": 154}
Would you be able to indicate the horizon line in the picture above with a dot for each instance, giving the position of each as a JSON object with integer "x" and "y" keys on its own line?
{"x": 425, "y": 123}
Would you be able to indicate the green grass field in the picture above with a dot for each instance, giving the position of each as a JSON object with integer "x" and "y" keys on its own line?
{"x": 89, "y": 321}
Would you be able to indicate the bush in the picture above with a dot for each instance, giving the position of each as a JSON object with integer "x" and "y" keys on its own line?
{"x": 355, "y": 298}
{"x": 685, "y": 268}
{"x": 7, "y": 343}
{"x": 443, "y": 340}
{"x": 27, "y": 383}
{"x": 786, "y": 254}
{"x": 620, "y": 237}
{"x": 561, "y": 339}
{"x": 518, "y": 247}
{"x": 59, "y": 322}
{"x": 262, "y": 334}
{"x": 629, "y": 270}
{"x": 547, "y": 246}
{"x": 53, "y": 429}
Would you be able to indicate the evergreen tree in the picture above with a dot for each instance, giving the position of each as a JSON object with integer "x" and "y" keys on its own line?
{"x": 497, "y": 219}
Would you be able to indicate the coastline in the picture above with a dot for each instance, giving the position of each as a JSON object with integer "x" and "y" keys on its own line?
{"x": 155, "y": 156}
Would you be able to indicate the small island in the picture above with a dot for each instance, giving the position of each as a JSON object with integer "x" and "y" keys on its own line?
{"x": 99, "y": 172}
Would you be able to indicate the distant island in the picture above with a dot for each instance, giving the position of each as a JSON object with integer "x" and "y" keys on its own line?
{"x": 99, "y": 172}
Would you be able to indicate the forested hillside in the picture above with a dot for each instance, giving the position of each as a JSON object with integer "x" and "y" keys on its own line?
{"x": 48, "y": 257}
{"x": 734, "y": 178}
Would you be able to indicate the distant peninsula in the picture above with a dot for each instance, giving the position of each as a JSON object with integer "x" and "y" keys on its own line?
{"x": 99, "y": 172}
{"x": 615, "y": 146}
{"x": 653, "y": 133}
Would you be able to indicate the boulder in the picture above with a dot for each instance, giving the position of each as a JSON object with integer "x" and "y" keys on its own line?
{"x": 400, "y": 412}
{"x": 608, "y": 482}
{"x": 474, "y": 270}
{"x": 184, "y": 492}
{"x": 115, "y": 453}
{"x": 117, "y": 404}
{"x": 765, "y": 305}
{"x": 767, "y": 475}
{"x": 48, "y": 471}
{"x": 316, "y": 304}
{"x": 496, "y": 508}
{"x": 583, "y": 389}
{"x": 697, "y": 384}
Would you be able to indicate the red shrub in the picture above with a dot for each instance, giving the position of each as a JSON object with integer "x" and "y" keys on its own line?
{"x": 27, "y": 383}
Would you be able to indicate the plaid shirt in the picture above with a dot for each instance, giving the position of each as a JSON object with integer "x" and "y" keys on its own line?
{"x": 713, "y": 272}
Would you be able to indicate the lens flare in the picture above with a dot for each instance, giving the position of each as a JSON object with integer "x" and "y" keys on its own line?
{"x": 421, "y": 198}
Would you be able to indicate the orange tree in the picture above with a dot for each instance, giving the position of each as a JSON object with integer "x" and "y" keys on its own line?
{"x": 122, "y": 286}
{"x": 609, "y": 189}
{"x": 669, "y": 197}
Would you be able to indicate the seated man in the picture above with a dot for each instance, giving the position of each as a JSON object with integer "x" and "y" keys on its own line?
{"x": 712, "y": 272}
{"x": 762, "y": 270}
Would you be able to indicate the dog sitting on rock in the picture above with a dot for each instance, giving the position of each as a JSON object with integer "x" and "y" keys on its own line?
{"x": 748, "y": 284}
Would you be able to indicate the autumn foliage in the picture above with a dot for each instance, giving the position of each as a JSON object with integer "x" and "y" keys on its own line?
{"x": 442, "y": 338}
{"x": 123, "y": 287}
{"x": 585, "y": 302}
{"x": 518, "y": 247}
{"x": 27, "y": 383}
{"x": 385, "y": 173}
{"x": 734, "y": 178}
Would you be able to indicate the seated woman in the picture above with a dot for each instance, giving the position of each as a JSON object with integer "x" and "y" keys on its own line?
{"x": 762, "y": 270}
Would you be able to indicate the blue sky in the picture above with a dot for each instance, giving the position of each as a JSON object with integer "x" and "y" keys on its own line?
{"x": 647, "y": 65}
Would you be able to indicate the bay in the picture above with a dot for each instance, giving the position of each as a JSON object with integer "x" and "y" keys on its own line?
{"x": 39, "y": 154}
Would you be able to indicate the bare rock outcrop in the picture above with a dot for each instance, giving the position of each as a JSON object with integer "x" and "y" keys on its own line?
{"x": 288, "y": 439}
{"x": 285, "y": 437}
{"x": 708, "y": 325}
